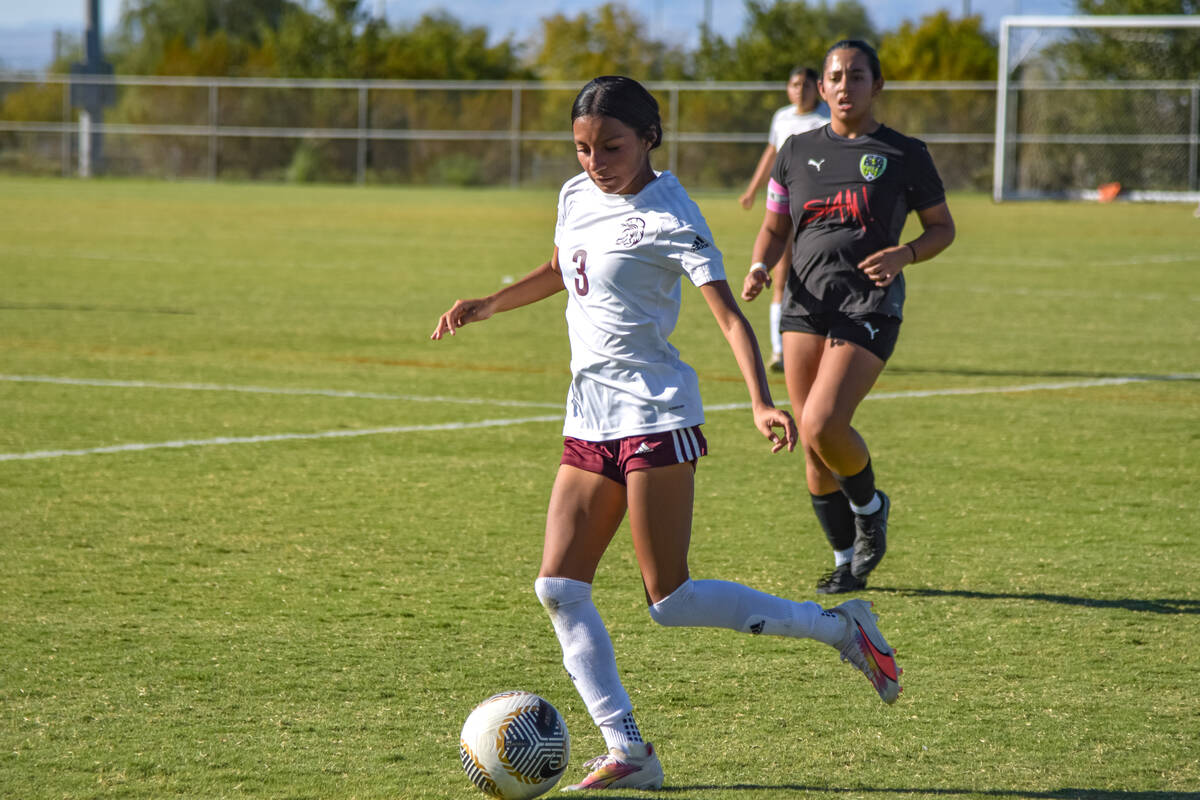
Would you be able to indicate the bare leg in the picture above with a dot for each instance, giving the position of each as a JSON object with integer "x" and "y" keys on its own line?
{"x": 846, "y": 374}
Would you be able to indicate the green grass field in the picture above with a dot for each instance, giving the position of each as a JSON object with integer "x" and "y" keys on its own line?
{"x": 195, "y": 605}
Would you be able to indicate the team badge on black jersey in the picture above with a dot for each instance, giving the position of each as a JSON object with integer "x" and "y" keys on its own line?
{"x": 872, "y": 166}
{"x": 632, "y": 230}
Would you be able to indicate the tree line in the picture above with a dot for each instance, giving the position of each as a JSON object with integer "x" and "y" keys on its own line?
{"x": 340, "y": 39}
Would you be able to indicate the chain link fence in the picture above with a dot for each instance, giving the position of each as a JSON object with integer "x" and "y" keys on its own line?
{"x": 430, "y": 132}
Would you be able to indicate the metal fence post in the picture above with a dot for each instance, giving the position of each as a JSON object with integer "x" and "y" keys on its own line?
{"x": 514, "y": 132}
{"x": 361, "y": 171}
{"x": 213, "y": 122}
{"x": 66, "y": 130}
{"x": 1194, "y": 145}
{"x": 673, "y": 113}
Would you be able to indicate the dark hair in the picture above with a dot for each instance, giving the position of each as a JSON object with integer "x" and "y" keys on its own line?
{"x": 809, "y": 73}
{"x": 622, "y": 99}
{"x": 862, "y": 47}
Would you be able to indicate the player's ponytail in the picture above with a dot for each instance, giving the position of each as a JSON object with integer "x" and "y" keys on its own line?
{"x": 622, "y": 99}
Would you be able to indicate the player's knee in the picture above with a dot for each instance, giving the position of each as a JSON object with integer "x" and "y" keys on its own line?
{"x": 558, "y": 593}
{"x": 818, "y": 427}
{"x": 675, "y": 610}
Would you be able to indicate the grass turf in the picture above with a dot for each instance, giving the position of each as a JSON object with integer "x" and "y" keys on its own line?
{"x": 314, "y": 618}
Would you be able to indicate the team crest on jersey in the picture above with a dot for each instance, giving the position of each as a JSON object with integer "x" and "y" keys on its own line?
{"x": 632, "y": 231}
{"x": 872, "y": 166}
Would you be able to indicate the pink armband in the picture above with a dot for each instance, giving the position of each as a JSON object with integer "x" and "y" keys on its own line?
{"x": 778, "y": 199}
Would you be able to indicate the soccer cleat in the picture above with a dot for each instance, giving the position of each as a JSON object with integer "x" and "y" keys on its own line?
{"x": 636, "y": 767}
{"x": 840, "y": 579}
{"x": 870, "y": 538}
{"x": 776, "y": 364}
{"x": 865, "y": 648}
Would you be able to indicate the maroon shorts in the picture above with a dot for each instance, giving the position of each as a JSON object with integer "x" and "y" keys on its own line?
{"x": 616, "y": 458}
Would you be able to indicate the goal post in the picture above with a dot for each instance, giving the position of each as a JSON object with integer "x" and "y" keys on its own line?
{"x": 1085, "y": 102}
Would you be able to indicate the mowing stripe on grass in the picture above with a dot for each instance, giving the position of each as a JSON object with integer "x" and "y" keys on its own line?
{"x": 219, "y": 387}
{"x": 492, "y": 423}
{"x": 277, "y": 437}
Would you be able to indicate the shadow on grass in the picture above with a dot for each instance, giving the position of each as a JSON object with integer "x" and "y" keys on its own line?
{"x": 1055, "y": 794}
{"x": 1159, "y": 606}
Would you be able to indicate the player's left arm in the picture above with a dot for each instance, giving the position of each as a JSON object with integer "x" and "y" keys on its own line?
{"x": 742, "y": 341}
{"x": 937, "y": 234}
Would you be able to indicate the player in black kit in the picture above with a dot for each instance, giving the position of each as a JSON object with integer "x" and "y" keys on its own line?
{"x": 843, "y": 192}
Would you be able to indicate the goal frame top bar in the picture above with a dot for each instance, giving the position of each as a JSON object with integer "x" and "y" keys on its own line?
{"x": 1102, "y": 21}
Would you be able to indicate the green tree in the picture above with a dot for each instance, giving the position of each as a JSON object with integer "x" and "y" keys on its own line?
{"x": 607, "y": 42}
{"x": 939, "y": 48}
{"x": 147, "y": 27}
{"x": 438, "y": 46}
{"x": 779, "y": 36}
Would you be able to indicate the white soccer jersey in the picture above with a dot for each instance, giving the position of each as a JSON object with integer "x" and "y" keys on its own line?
{"x": 622, "y": 257}
{"x": 788, "y": 122}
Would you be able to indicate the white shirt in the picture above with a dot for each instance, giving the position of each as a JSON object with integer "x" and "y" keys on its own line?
{"x": 622, "y": 257}
{"x": 788, "y": 122}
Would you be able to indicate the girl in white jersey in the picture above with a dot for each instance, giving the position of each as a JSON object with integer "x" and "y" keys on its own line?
{"x": 625, "y": 236}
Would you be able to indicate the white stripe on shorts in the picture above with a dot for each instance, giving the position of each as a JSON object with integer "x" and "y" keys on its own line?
{"x": 691, "y": 432}
{"x": 678, "y": 452}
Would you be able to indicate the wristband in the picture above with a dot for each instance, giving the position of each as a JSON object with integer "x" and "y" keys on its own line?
{"x": 912, "y": 250}
{"x": 759, "y": 265}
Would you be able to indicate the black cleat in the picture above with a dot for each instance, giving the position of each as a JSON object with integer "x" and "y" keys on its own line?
{"x": 838, "y": 580}
{"x": 870, "y": 541}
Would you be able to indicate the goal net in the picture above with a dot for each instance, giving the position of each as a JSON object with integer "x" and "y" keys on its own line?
{"x": 1097, "y": 107}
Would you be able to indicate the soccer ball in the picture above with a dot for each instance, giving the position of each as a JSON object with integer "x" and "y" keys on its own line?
{"x": 514, "y": 746}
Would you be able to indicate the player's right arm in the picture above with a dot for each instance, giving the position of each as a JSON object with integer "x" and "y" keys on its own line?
{"x": 760, "y": 176}
{"x": 543, "y": 282}
{"x": 769, "y": 245}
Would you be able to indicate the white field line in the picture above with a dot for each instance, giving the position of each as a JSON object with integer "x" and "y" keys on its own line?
{"x": 492, "y": 423}
{"x": 1031, "y": 387}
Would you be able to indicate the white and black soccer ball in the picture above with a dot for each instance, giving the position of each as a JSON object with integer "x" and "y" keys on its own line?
{"x": 514, "y": 746}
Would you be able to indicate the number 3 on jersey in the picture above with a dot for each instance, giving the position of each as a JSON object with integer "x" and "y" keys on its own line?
{"x": 581, "y": 279}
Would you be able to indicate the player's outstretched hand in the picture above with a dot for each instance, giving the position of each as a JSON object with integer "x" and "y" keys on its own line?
{"x": 747, "y": 200}
{"x": 462, "y": 312}
{"x": 756, "y": 280}
{"x": 769, "y": 418}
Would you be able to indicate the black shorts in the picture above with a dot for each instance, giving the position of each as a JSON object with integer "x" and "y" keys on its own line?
{"x": 876, "y": 333}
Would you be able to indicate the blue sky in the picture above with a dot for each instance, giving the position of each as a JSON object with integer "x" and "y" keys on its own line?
{"x": 26, "y": 28}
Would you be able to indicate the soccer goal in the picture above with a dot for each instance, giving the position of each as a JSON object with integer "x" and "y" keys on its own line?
{"x": 1098, "y": 107}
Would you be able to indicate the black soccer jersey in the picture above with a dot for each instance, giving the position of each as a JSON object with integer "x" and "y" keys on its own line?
{"x": 848, "y": 198}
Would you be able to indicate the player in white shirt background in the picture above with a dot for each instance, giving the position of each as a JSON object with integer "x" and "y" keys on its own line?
{"x": 625, "y": 237}
{"x": 804, "y": 113}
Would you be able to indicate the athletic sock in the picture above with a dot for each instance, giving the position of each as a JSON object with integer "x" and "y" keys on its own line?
{"x": 621, "y": 733}
{"x": 776, "y": 336}
{"x": 723, "y": 604}
{"x": 587, "y": 649}
{"x": 870, "y": 508}
{"x": 841, "y": 557}
{"x": 860, "y": 490}
{"x": 836, "y": 519}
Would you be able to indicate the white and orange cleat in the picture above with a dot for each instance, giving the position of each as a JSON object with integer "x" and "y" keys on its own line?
{"x": 637, "y": 767}
{"x": 865, "y": 648}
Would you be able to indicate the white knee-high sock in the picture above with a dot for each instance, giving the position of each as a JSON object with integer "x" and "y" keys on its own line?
{"x": 776, "y": 336}
{"x": 722, "y": 604}
{"x": 587, "y": 649}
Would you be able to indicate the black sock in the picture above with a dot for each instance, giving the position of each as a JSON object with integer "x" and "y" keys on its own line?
{"x": 836, "y": 518}
{"x": 860, "y": 488}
